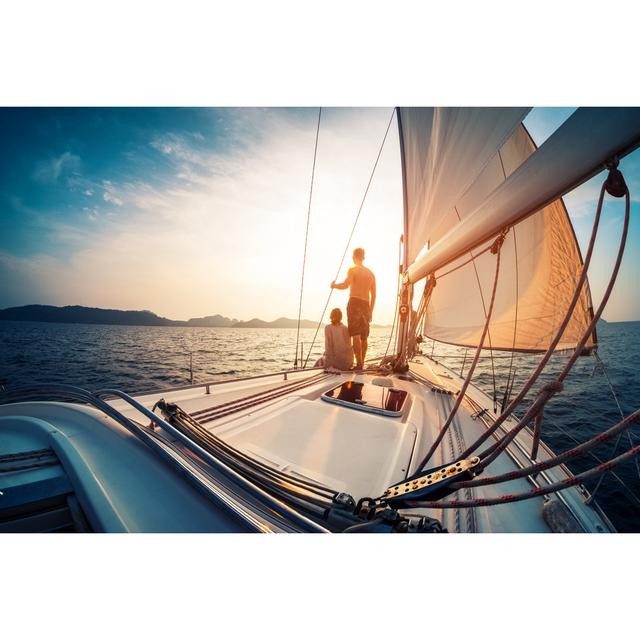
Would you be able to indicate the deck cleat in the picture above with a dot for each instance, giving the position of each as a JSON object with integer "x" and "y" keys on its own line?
{"x": 431, "y": 483}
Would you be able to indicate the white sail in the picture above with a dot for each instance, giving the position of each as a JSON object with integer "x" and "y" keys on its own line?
{"x": 444, "y": 150}
{"x": 575, "y": 152}
{"x": 540, "y": 263}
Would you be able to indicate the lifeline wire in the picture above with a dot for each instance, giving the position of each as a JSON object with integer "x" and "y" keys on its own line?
{"x": 364, "y": 197}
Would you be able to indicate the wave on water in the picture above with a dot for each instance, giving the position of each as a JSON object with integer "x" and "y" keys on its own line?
{"x": 137, "y": 359}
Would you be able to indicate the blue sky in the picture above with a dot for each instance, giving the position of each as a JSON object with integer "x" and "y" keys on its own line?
{"x": 198, "y": 211}
{"x": 69, "y": 165}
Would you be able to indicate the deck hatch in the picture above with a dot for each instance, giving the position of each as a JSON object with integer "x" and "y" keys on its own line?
{"x": 386, "y": 401}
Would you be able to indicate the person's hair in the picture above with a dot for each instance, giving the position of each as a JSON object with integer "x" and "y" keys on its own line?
{"x": 358, "y": 253}
{"x": 336, "y": 315}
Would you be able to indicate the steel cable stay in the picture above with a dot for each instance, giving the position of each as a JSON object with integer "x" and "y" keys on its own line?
{"x": 587, "y": 451}
{"x": 617, "y": 443}
{"x": 535, "y": 411}
{"x": 528, "y": 384}
{"x": 550, "y": 389}
{"x": 583, "y": 447}
{"x": 496, "y": 248}
{"x": 579, "y": 478}
{"x": 395, "y": 311}
{"x": 306, "y": 235}
{"x": 353, "y": 228}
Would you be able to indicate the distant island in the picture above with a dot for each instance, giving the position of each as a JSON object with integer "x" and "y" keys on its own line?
{"x": 88, "y": 315}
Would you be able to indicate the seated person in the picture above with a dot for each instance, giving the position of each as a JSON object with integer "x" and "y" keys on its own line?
{"x": 338, "y": 353}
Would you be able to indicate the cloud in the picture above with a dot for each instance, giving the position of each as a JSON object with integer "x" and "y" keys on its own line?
{"x": 225, "y": 235}
{"x": 88, "y": 192}
{"x": 109, "y": 194}
{"x": 224, "y": 232}
{"x": 179, "y": 148}
{"x": 51, "y": 170}
{"x": 109, "y": 197}
{"x": 93, "y": 213}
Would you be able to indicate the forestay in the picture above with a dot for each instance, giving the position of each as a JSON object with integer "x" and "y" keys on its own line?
{"x": 453, "y": 159}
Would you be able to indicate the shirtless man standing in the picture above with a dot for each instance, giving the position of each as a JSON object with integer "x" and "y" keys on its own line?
{"x": 362, "y": 298}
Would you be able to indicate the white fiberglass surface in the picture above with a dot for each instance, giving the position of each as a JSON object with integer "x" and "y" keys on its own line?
{"x": 345, "y": 449}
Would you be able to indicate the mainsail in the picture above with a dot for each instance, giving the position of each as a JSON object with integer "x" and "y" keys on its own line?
{"x": 455, "y": 162}
{"x": 443, "y": 153}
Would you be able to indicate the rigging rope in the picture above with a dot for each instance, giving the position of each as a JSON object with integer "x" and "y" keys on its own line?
{"x": 540, "y": 491}
{"x": 496, "y": 248}
{"x": 463, "y": 264}
{"x": 584, "y": 447}
{"x": 306, "y": 236}
{"x": 554, "y": 387}
{"x": 590, "y": 453}
{"x": 353, "y": 228}
{"x": 550, "y": 350}
{"x": 510, "y": 380}
{"x": 484, "y": 308}
{"x": 617, "y": 443}
{"x": 395, "y": 311}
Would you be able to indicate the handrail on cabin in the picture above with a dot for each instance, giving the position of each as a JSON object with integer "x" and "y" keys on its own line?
{"x": 96, "y": 400}
{"x": 213, "y": 383}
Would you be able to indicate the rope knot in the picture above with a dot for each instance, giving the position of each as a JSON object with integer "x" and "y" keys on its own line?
{"x": 550, "y": 389}
{"x": 497, "y": 243}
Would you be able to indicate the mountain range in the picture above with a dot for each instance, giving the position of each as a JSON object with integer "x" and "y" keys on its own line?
{"x": 89, "y": 315}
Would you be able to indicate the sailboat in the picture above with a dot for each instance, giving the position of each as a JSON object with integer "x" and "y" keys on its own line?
{"x": 489, "y": 262}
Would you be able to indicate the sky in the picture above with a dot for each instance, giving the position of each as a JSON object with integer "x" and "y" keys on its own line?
{"x": 192, "y": 212}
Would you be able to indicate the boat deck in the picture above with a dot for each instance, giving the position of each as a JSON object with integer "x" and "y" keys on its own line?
{"x": 281, "y": 421}
{"x": 285, "y": 424}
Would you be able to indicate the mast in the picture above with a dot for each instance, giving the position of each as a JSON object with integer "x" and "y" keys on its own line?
{"x": 472, "y": 175}
{"x": 404, "y": 303}
{"x": 405, "y": 206}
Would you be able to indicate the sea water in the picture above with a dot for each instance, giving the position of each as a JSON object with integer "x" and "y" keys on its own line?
{"x": 138, "y": 359}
